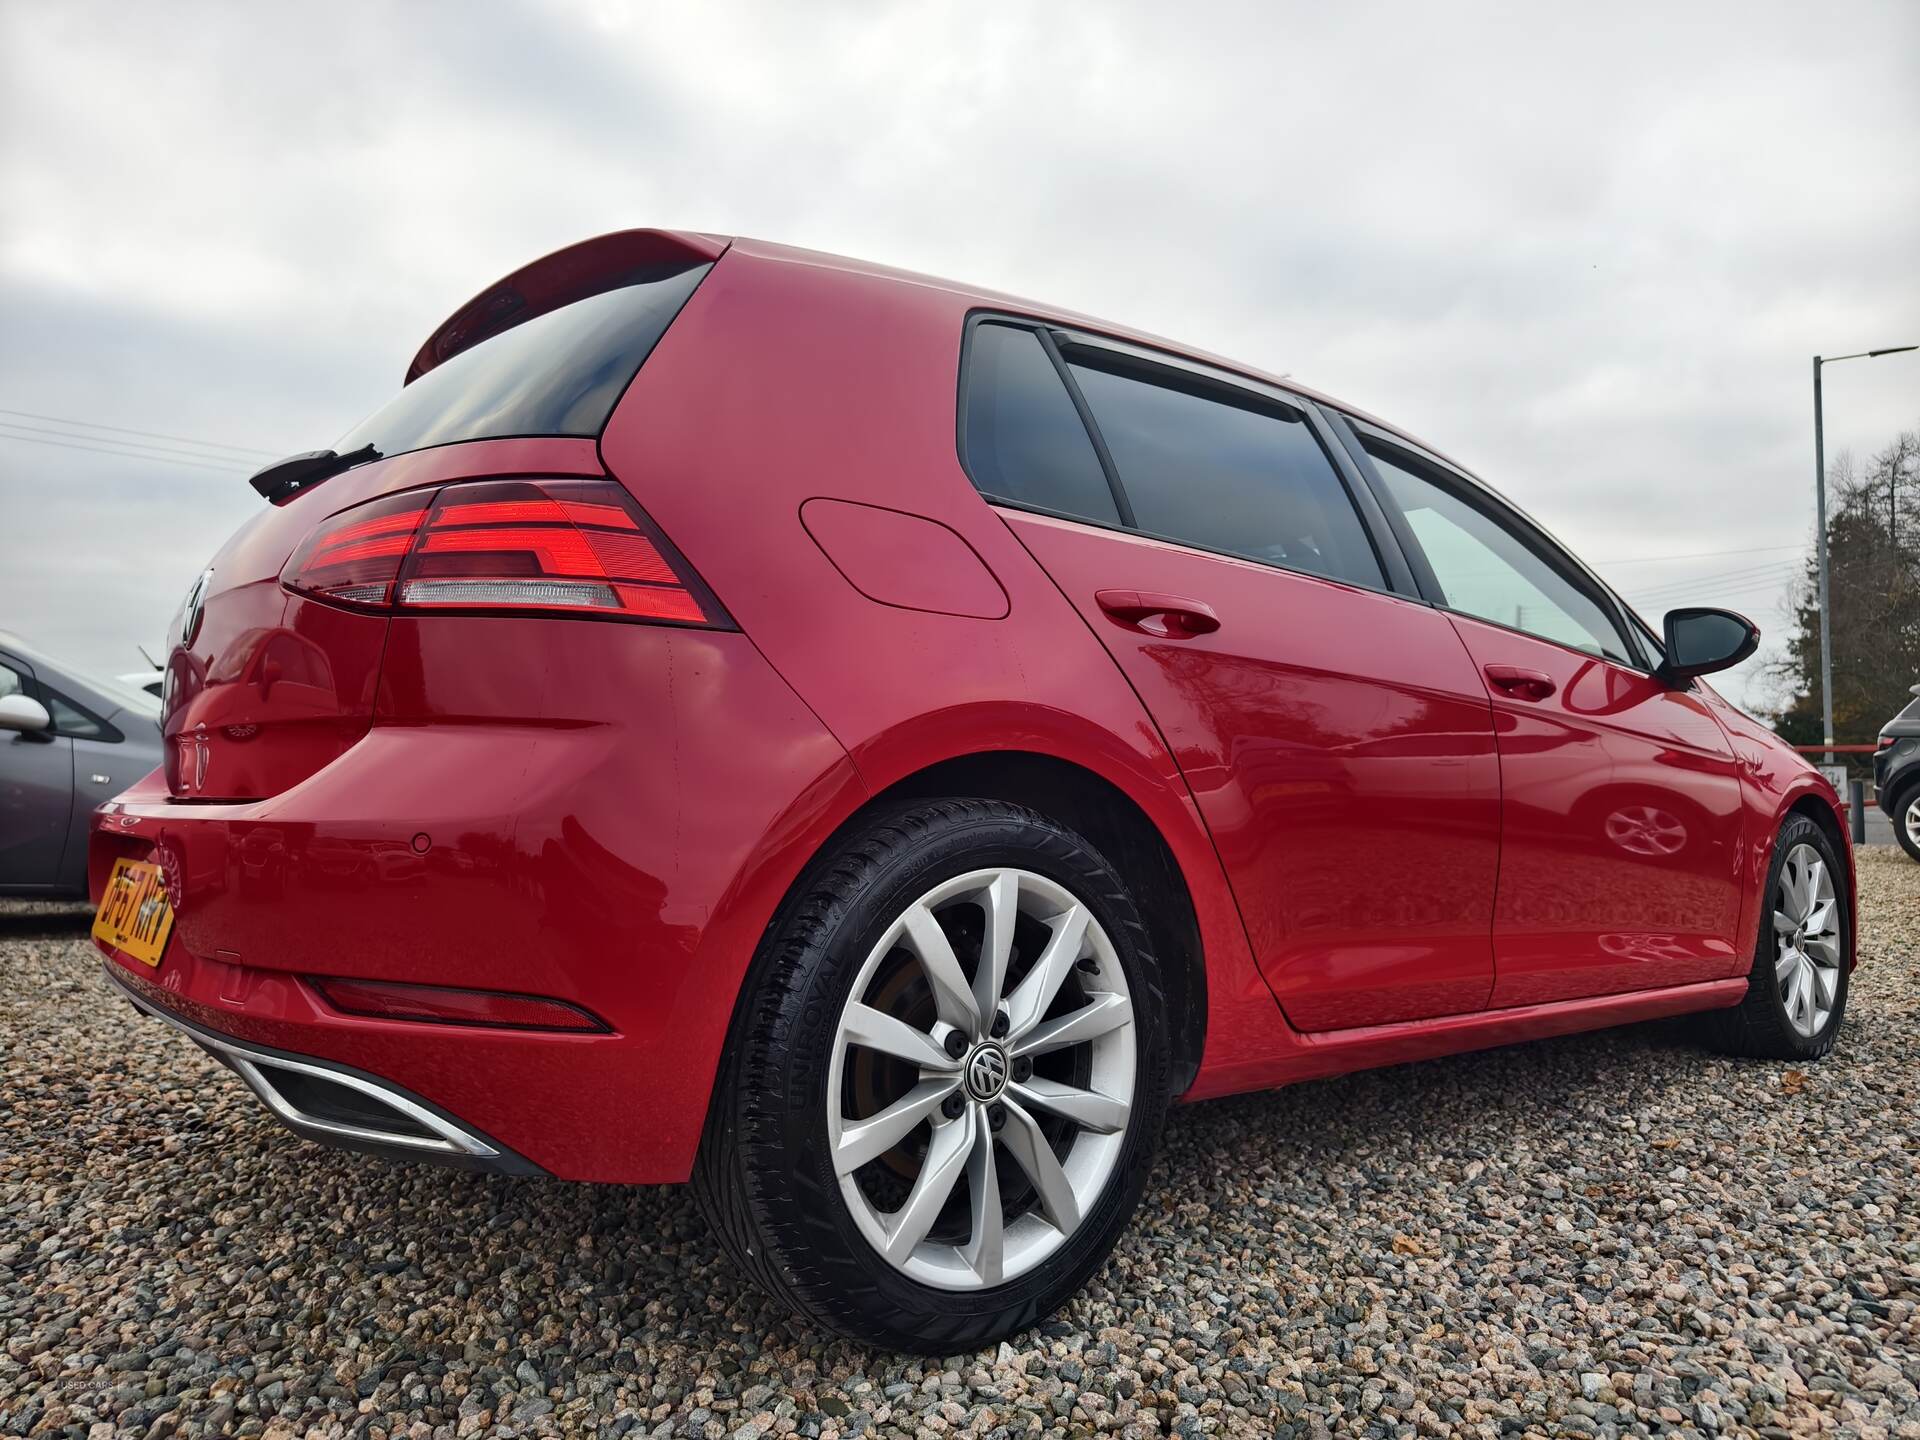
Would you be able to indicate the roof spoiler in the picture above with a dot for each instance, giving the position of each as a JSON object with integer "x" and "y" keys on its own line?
{"x": 559, "y": 279}
{"x": 295, "y": 473}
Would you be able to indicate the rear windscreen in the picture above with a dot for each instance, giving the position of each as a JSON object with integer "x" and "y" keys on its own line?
{"x": 560, "y": 373}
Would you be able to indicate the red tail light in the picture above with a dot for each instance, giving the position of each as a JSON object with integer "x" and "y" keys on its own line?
{"x": 447, "y": 1005}
{"x": 355, "y": 557}
{"x": 570, "y": 547}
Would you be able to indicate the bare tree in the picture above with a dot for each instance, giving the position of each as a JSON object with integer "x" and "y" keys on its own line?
{"x": 1873, "y": 549}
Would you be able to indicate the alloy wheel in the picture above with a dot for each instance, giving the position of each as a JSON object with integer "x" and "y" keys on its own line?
{"x": 982, "y": 1079}
{"x": 1912, "y": 820}
{"x": 1806, "y": 930}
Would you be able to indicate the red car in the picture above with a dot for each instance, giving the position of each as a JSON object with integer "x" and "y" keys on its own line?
{"x": 867, "y": 745}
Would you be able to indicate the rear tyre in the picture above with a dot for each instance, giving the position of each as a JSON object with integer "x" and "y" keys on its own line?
{"x": 945, "y": 1081}
{"x": 1906, "y": 819}
{"x": 1797, "y": 991}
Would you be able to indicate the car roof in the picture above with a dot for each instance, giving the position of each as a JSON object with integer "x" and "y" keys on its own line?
{"x": 975, "y": 296}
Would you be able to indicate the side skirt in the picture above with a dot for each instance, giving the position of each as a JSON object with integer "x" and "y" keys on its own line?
{"x": 1302, "y": 1055}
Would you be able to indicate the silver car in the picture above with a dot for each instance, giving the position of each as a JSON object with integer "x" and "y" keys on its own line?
{"x": 67, "y": 743}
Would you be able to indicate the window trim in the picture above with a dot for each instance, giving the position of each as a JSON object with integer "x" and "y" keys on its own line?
{"x": 1473, "y": 491}
{"x": 36, "y": 688}
{"x": 109, "y": 733}
{"x": 1206, "y": 382}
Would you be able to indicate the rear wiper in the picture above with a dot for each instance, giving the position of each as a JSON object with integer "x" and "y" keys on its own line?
{"x": 297, "y": 472}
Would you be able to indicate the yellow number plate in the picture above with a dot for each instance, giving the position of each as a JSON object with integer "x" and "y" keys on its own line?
{"x": 135, "y": 915}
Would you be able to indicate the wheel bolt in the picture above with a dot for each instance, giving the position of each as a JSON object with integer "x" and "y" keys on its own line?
{"x": 999, "y": 1026}
{"x": 1023, "y": 1069}
{"x": 952, "y": 1106}
{"x": 996, "y": 1116}
{"x": 956, "y": 1044}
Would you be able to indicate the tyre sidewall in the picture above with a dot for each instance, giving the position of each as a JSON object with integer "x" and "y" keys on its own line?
{"x": 901, "y": 1310}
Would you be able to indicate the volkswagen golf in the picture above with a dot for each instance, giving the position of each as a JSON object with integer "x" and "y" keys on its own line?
{"x": 868, "y": 746}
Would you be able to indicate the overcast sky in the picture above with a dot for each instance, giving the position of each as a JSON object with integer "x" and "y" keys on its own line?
{"x": 1590, "y": 257}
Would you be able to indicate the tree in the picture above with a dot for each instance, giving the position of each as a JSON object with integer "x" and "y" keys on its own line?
{"x": 1873, "y": 555}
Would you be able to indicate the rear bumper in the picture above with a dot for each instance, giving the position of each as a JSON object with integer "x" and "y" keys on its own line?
{"x": 337, "y": 1105}
{"x": 622, "y": 854}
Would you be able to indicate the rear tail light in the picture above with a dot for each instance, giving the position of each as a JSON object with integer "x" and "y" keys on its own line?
{"x": 1886, "y": 742}
{"x": 448, "y": 1005}
{"x": 556, "y": 547}
{"x": 355, "y": 557}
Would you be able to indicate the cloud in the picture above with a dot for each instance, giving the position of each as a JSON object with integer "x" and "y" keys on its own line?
{"x": 1589, "y": 253}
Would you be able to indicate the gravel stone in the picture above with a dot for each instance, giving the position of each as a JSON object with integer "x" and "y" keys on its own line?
{"x": 1604, "y": 1235}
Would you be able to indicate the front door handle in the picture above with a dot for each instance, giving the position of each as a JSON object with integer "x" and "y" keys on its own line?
{"x": 1518, "y": 681}
{"x": 1167, "y": 617}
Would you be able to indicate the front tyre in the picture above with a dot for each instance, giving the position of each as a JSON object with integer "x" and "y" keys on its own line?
{"x": 945, "y": 1082}
{"x": 1797, "y": 991}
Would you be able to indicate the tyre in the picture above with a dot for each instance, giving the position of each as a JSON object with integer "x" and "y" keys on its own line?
{"x": 945, "y": 1081}
{"x": 1797, "y": 992}
{"x": 1906, "y": 819}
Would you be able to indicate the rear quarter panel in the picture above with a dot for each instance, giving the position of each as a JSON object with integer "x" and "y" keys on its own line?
{"x": 787, "y": 380}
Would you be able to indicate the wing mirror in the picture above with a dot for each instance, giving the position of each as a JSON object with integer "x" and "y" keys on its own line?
{"x": 1701, "y": 641}
{"x": 23, "y": 713}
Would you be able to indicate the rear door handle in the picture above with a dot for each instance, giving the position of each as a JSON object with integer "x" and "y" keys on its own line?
{"x": 1518, "y": 681}
{"x": 1169, "y": 617}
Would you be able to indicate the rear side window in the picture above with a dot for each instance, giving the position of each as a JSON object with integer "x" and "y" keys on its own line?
{"x": 1229, "y": 472}
{"x": 560, "y": 373}
{"x": 1024, "y": 440}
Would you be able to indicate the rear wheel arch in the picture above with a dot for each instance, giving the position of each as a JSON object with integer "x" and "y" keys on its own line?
{"x": 1108, "y": 818}
{"x": 1100, "y": 812}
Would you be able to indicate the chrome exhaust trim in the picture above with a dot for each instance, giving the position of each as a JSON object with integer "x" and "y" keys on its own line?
{"x": 417, "y": 1129}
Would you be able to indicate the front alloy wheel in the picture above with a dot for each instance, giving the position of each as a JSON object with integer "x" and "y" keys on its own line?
{"x": 1797, "y": 989}
{"x": 1806, "y": 931}
{"x": 946, "y": 1077}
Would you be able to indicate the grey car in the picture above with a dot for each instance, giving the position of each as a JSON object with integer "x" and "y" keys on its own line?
{"x": 1896, "y": 774}
{"x": 67, "y": 743}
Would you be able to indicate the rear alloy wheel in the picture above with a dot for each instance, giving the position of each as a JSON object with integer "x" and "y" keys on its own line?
{"x": 1797, "y": 990}
{"x": 971, "y": 1057}
{"x": 946, "y": 1079}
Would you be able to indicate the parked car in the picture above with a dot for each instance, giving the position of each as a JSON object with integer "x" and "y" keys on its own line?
{"x": 867, "y": 745}
{"x": 67, "y": 743}
{"x": 1896, "y": 774}
{"x": 149, "y": 681}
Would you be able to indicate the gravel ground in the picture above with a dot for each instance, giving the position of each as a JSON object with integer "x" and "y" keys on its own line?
{"x": 1614, "y": 1233}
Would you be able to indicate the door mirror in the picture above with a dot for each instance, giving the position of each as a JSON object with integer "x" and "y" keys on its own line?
{"x": 1701, "y": 641}
{"x": 23, "y": 713}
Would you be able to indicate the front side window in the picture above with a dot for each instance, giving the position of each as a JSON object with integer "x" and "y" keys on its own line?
{"x": 1485, "y": 569}
{"x": 1227, "y": 471}
{"x": 1023, "y": 437}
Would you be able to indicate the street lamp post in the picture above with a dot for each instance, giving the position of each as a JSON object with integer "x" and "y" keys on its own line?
{"x": 1820, "y": 540}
